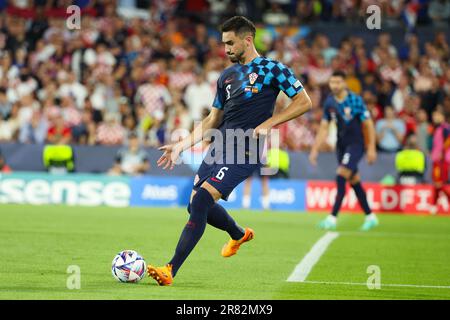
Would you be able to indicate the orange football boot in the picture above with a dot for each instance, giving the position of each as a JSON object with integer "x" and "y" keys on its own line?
{"x": 162, "y": 275}
{"x": 232, "y": 246}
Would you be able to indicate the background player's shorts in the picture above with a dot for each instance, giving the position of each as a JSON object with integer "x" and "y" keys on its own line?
{"x": 439, "y": 173}
{"x": 224, "y": 177}
{"x": 350, "y": 156}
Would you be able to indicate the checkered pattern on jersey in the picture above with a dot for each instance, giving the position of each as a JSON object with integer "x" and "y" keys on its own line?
{"x": 357, "y": 105}
{"x": 270, "y": 71}
{"x": 352, "y": 101}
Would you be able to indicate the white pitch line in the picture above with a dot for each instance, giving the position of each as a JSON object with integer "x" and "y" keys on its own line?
{"x": 305, "y": 266}
{"x": 382, "y": 285}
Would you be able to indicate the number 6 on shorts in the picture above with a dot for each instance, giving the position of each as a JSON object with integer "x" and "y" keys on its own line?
{"x": 221, "y": 173}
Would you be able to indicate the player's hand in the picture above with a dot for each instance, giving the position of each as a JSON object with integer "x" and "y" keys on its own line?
{"x": 371, "y": 155}
{"x": 313, "y": 157}
{"x": 262, "y": 130}
{"x": 170, "y": 156}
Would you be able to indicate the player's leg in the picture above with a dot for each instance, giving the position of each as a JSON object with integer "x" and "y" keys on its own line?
{"x": 360, "y": 193}
{"x": 342, "y": 175}
{"x": 203, "y": 200}
{"x": 246, "y": 198}
{"x": 225, "y": 179}
{"x": 222, "y": 180}
{"x": 371, "y": 220}
{"x": 219, "y": 218}
{"x": 348, "y": 159}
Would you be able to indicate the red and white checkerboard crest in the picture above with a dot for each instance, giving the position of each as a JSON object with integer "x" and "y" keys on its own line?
{"x": 252, "y": 77}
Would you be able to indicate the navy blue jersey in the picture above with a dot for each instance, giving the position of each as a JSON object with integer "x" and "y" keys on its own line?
{"x": 348, "y": 116}
{"x": 247, "y": 92}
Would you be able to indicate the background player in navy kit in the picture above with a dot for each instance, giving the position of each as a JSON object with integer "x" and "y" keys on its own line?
{"x": 245, "y": 99}
{"x": 354, "y": 127}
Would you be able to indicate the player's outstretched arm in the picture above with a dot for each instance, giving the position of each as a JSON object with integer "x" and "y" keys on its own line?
{"x": 300, "y": 104}
{"x": 369, "y": 129}
{"x": 320, "y": 139}
{"x": 173, "y": 151}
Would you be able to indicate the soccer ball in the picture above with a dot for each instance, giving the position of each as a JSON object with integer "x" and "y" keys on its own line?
{"x": 128, "y": 266}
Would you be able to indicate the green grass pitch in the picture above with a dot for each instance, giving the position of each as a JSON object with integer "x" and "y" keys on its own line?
{"x": 39, "y": 243}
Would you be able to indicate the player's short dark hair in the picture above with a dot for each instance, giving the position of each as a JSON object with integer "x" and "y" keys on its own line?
{"x": 239, "y": 25}
{"x": 339, "y": 73}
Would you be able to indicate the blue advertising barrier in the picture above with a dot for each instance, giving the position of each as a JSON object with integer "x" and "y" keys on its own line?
{"x": 286, "y": 195}
{"x": 150, "y": 191}
{"x": 145, "y": 191}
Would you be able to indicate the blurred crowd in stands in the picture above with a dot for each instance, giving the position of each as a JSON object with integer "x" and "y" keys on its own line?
{"x": 141, "y": 68}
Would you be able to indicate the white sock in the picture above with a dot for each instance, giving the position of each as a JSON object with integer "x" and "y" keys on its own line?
{"x": 332, "y": 218}
{"x": 265, "y": 202}
{"x": 246, "y": 200}
{"x": 371, "y": 216}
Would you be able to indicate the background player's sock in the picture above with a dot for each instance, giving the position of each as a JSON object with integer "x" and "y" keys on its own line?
{"x": 371, "y": 216}
{"x": 265, "y": 200}
{"x": 340, "y": 181}
{"x": 246, "y": 201}
{"x": 362, "y": 198}
{"x": 218, "y": 217}
{"x": 193, "y": 231}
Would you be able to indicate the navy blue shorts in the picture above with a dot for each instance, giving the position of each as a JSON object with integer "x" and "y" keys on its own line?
{"x": 224, "y": 177}
{"x": 350, "y": 156}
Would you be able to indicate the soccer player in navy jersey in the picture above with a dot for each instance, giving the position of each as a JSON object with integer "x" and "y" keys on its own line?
{"x": 352, "y": 119}
{"x": 245, "y": 99}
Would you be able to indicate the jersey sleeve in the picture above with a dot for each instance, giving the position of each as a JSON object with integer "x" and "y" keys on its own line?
{"x": 326, "y": 111}
{"x": 363, "y": 112}
{"x": 285, "y": 80}
{"x": 219, "y": 99}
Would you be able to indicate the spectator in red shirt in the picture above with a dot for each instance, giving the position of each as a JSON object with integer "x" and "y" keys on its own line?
{"x": 59, "y": 132}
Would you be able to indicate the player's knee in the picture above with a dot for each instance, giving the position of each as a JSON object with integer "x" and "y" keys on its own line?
{"x": 344, "y": 172}
{"x": 201, "y": 199}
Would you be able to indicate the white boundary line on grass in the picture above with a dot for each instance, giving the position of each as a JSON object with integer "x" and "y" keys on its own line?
{"x": 305, "y": 266}
{"x": 382, "y": 285}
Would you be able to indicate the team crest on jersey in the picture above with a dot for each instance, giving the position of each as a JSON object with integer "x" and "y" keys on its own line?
{"x": 251, "y": 88}
{"x": 252, "y": 77}
{"x": 348, "y": 113}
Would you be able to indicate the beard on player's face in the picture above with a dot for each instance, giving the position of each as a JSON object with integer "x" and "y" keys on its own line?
{"x": 337, "y": 90}
{"x": 237, "y": 56}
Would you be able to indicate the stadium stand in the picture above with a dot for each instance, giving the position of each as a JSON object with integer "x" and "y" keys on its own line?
{"x": 150, "y": 67}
